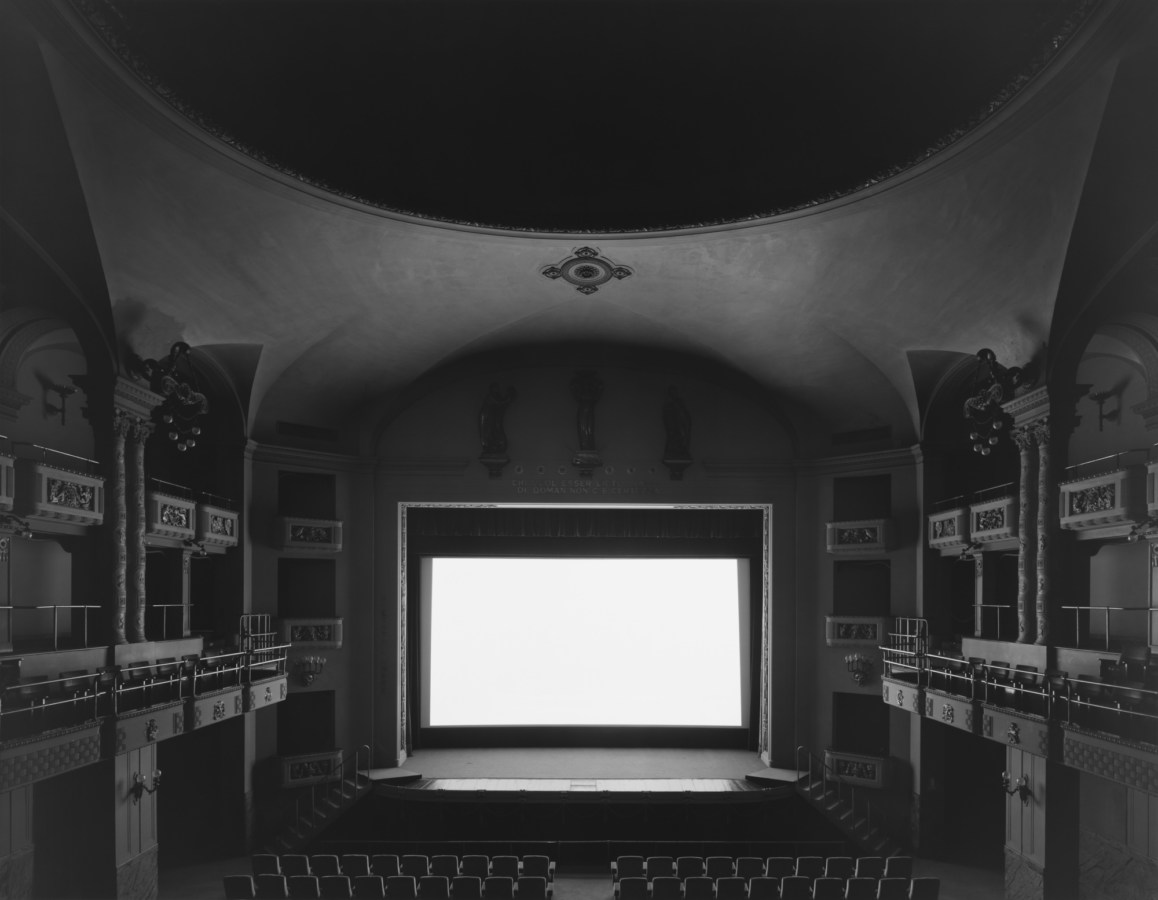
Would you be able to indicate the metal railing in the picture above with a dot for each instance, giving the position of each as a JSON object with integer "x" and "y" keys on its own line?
{"x": 56, "y": 608}
{"x": 219, "y": 672}
{"x": 308, "y": 807}
{"x": 1105, "y": 610}
{"x": 42, "y": 704}
{"x": 164, "y": 608}
{"x": 979, "y": 622}
{"x": 1106, "y": 703}
{"x": 993, "y": 493}
{"x": 857, "y": 800}
{"x": 1103, "y": 465}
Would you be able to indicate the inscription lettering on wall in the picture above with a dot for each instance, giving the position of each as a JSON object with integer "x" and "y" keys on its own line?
{"x": 580, "y": 487}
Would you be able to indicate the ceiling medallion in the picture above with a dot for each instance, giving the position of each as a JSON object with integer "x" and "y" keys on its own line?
{"x": 587, "y": 270}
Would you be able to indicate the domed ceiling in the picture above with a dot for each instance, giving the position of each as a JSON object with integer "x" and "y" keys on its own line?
{"x": 588, "y": 116}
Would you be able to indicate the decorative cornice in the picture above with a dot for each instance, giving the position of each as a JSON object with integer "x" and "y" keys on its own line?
{"x": 134, "y": 398}
{"x": 1029, "y": 407}
{"x": 860, "y": 463}
{"x": 109, "y": 34}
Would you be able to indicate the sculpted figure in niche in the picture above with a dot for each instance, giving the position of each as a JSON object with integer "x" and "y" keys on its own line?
{"x": 677, "y": 423}
{"x": 587, "y": 389}
{"x": 490, "y": 418}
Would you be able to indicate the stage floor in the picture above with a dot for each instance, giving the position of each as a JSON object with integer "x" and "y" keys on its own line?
{"x": 583, "y": 763}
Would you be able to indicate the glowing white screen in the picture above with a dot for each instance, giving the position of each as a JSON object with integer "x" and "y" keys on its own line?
{"x": 585, "y": 642}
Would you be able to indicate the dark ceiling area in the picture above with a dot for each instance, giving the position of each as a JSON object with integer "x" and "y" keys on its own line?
{"x": 575, "y": 115}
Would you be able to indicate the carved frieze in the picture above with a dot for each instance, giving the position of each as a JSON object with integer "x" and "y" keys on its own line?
{"x": 310, "y": 768}
{"x": 47, "y": 492}
{"x": 949, "y": 530}
{"x": 169, "y": 517}
{"x": 1029, "y": 733}
{"x": 858, "y": 769}
{"x": 841, "y": 631}
{"x": 29, "y": 761}
{"x": 1103, "y": 501}
{"x": 311, "y": 535}
{"x": 318, "y": 632}
{"x": 1134, "y": 766}
{"x": 265, "y": 694}
{"x": 993, "y": 520}
{"x": 216, "y": 526}
{"x": 868, "y": 536}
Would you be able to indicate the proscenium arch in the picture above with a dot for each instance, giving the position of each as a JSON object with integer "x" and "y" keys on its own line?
{"x": 762, "y": 719}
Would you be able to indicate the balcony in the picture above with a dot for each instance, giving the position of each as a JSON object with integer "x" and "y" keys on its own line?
{"x": 949, "y": 527}
{"x": 859, "y": 538}
{"x": 1104, "y": 497}
{"x": 993, "y": 517}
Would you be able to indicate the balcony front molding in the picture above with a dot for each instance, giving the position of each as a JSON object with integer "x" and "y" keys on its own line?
{"x": 1102, "y": 505}
{"x": 266, "y": 693}
{"x": 949, "y": 530}
{"x": 32, "y": 759}
{"x": 217, "y": 527}
{"x": 859, "y": 538}
{"x": 849, "y": 631}
{"x": 310, "y": 768}
{"x": 857, "y": 768}
{"x": 953, "y": 710}
{"x": 1130, "y": 763}
{"x": 49, "y": 494}
{"x": 169, "y": 516}
{"x": 994, "y": 521}
{"x": 903, "y": 694}
{"x": 213, "y": 707}
{"x": 1019, "y": 730}
{"x": 309, "y": 535}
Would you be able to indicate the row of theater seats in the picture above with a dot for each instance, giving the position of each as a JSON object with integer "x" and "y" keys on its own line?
{"x": 269, "y": 886}
{"x": 791, "y": 887}
{"x": 749, "y": 867}
{"x": 413, "y": 865}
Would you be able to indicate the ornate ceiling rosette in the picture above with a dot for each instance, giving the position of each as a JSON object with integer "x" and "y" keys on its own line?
{"x": 586, "y": 270}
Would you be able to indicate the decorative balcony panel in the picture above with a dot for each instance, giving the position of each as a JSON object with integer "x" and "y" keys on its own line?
{"x": 856, "y": 768}
{"x": 142, "y": 727}
{"x": 949, "y": 530}
{"x": 34, "y": 759}
{"x": 1103, "y": 501}
{"x": 310, "y": 768}
{"x": 993, "y": 520}
{"x": 209, "y": 709}
{"x": 312, "y": 535}
{"x": 7, "y": 483}
{"x": 956, "y": 712}
{"x": 1134, "y": 765}
{"x": 264, "y": 694}
{"x": 170, "y": 517}
{"x": 49, "y": 493}
{"x": 311, "y": 632}
{"x": 217, "y": 527}
{"x": 1152, "y": 489}
{"x": 903, "y": 695}
{"x": 845, "y": 631}
{"x": 867, "y": 536}
{"x": 1025, "y": 732}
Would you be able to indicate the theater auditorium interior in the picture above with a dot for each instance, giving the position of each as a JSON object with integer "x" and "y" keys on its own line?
{"x": 579, "y": 448}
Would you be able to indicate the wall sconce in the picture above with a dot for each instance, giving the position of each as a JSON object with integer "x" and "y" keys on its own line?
{"x": 1142, "y": 529}
{"x": 140, "y": 786}
{"x": 306, "y": 668}
{"x": 859, "y": 666}
{"x": 1019, "y": 787}
{"x": 20, "y": 527}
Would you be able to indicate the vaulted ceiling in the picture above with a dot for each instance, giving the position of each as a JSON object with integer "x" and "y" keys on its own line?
{"x": 336, "y": 199}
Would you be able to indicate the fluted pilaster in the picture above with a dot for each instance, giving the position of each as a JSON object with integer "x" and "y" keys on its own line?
{"x": 138, "y": 434}
{"x": 122, "y": 424}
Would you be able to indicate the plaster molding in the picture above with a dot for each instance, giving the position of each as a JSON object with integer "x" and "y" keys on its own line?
{"x": 307, "y": 460}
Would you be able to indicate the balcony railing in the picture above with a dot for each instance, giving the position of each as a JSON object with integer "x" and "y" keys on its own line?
{"x": 1108, "y": 637}
{"x": 16, "y": 638}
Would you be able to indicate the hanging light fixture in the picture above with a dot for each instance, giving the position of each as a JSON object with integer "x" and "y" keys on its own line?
{"x": 993, "y": 384}
{"x": 175, "y": 379}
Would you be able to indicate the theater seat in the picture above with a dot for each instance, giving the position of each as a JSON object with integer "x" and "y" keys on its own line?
{"x": 538, "y": 866}
{"x": 295, "y": 864}
{"x": 499, "y": 887}
{"x": 666, "y": 887}
{"x": 763, "y": 887}
{"x": 433, "y": 887}
{"x": 265, "y": 864}
{"x": 415, "y": 865}
{"x": 270, "y": 887}
{"x": 659, "y": 867}
{"x": 238, "y": 887}
{"x": 870, "y": 867}
{"x": 369, "y": 887}
{"x": 532, "y": 887}
{"x": 899, "y": 867}
{"x": 780, "y": 866}
{"x": 893, "y": 889}
{"x": 336, "y": 887}
{"x": 323, "y": 864}
{"x": 475, "y": 865}
{"x": 628, "y": 867}
{"x": 444, "y": 864}
{"x": 384, "y": 865}
{"x": 924, "y": 889}
{"x": 859, "y": 888}
{"x": 355, "y": 865}
{"x": 689, "y": 867}
{"x": 749, "y": 867}
{"x": 841, "y": 867}
{"x": 401, "y": 887}
{"x": 796, "y": 887}
{"x": 304, "y": 887}
{"x": 731, "y": 887}
{"x": 505, "y": 867}
{"x": 719, "y": 867}
{"x": 699, "y": 887}
{"x": 825, "y": 888}
{"x": 466, "y": 887}
{"x": 633, "y": 887}
{"x": 810, "y": 867}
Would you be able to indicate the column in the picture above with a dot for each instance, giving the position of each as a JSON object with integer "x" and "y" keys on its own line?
{"x": 984, "y": 593}
{"x": 1046, "y": 522}
{"x": 1024, "y": 439}
{"x": 121, "y": 426}
{"x": 139, "y": 433}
